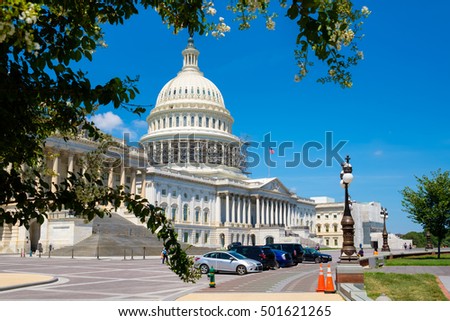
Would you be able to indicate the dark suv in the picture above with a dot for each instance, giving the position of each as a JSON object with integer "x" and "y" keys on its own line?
{"x": 263, "y": 254}
{"x": 296, "y": 250}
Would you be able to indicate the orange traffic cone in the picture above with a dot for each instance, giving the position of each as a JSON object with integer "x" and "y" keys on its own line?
{"x": 330, "y": 284}
{"x": 321, "y": 281}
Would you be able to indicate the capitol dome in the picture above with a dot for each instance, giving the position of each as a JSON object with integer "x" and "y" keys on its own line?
{"x": 190, "y": 123}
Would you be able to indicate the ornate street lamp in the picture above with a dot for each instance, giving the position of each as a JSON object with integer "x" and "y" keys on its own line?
{"x": 384, "y": 214}
{"x": 348, "y": 251}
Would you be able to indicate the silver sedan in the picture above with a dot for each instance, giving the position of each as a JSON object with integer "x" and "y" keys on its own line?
{"x": 227, "y": 261}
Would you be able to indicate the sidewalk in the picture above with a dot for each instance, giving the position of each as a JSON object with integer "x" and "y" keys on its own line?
{"x": 258, "y": 296}
{"x": 9, "y": 281}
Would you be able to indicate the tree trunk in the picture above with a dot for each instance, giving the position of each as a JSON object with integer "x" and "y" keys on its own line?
{"x": 439, "y": 248}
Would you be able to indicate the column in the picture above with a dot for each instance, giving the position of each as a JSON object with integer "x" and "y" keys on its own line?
{"x": 122, "y": 181}
{"x": 239, "y": 219}
{"x": 217, "y": 214}
{"x": 122, "y": 176}
{"x": 192, "y": 209}
{"x": 227, "y": 208}
{"x": 188, "y": 151}
{"x": 180, "y": 209}
{"x": 133, "y": 181}
{"x": 70, "y": 164}
{"x": 55, "y": 174}
{"x": 223, "y": 154}
{"x": 143, "y": 187}
{"x": 277, "y": 212}
{"x": 272, "y": 213}
{"x": 111, "y": 178}
{"x": 258, "y": 212}
{"x": 249, "y": 211}
{"x": 263, "y": 211}
{"x": 233, "y": 209}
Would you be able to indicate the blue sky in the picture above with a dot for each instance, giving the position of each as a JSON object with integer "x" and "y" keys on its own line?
{"x": 394, "y": 119}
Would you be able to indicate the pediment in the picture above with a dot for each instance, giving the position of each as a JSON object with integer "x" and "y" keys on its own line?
{"x": 275, "y": 185}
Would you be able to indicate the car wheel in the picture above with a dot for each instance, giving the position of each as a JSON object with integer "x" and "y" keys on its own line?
{"x": 204, "y": 269}
{"x": 318, "y": 260}
{"x": 241, "y": 270}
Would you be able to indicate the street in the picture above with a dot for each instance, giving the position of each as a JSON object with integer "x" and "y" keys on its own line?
{"x": 138, "y": 279}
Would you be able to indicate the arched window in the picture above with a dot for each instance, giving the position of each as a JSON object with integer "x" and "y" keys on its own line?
{"x": 185, "y": 212}
{"x": 197, "y": 215}
{"x": 173, "y": 213}
{"x": 269, "y": 240}
{"x": 222, "y": 240}
{"x": 205, "y": 215}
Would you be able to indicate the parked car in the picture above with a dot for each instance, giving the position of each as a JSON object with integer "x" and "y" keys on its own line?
{"x": 227, "y": 261}
{"x": 284, "y": 259}
{"x": 295, "y": 249}
{"x": 315, "y": 256}
{"x": 263, "y": 254}
{"x": 233, "y": 244}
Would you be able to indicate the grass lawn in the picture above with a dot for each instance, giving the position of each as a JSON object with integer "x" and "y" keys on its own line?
{"x": 403, "y": 287}
{"x": 422, "y": 260}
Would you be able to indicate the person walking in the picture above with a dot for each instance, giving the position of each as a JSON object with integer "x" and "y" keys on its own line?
{"x": 164, "y": 256}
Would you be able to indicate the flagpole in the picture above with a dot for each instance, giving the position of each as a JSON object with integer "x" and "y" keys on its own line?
{"x": 271, "y": 152}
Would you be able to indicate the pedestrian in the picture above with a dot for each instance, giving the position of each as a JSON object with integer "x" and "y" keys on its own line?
{"x": 405, "y": 246}
{"x": 410, "y": 246}
{"x": 164, "y": 255}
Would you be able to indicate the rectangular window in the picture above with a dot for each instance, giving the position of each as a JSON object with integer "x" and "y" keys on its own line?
{"x": 185, "y": 237}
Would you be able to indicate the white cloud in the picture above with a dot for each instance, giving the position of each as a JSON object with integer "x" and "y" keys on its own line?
{"x": 108, "y": 122}
{"x": 113, "y": 124}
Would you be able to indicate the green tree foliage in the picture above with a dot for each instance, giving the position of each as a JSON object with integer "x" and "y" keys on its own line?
{"x": 429, "y": 204}
{"x": 41, "y": 95}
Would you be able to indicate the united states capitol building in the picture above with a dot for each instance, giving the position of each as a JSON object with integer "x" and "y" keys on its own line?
{"x": 193, "y": 167}
{"x": 196, "y": 170}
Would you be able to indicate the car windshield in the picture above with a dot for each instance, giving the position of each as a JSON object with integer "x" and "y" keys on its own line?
{"x": 237, "y": 255}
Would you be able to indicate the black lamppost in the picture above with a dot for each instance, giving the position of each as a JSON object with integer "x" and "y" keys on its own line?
{"x": 384, "y": 215}
{"x": 348, "y": 251}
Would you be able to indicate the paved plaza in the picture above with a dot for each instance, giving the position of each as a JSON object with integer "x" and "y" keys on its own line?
{"x": 119, "y": 279}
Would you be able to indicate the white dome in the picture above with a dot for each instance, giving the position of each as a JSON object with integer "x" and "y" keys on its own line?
{"x": 190, "y": 103}
{"x": 190, "y": 88}
{"x": 190, "y": 129}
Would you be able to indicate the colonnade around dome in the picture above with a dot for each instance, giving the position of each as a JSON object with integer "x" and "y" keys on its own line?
{"x": 195, "y": 152}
